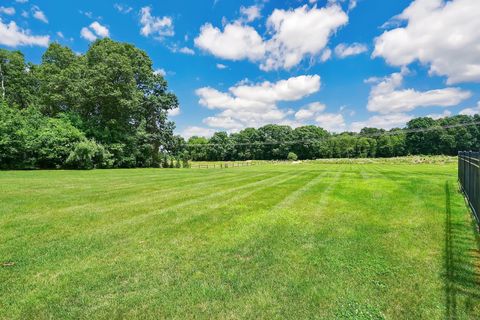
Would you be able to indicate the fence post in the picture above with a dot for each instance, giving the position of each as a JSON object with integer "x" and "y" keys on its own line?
{"x": 469, "y": 179}
{"x": 476, "y": 196}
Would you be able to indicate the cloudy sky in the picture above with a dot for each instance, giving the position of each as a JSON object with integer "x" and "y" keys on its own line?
{"x": 339, "y": 64}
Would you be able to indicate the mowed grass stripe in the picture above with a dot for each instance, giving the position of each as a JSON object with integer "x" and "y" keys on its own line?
{"x": 108, "y": 189}
{"x": 306, "y": 241}
{"x": 374, "y": 240}
{"x": 83, "y": 262}
{"x": 268, "y": 246}
{"x": 104, "y": 202}
{"x": 136, "y": 214}
{"x": 107, "y": 215}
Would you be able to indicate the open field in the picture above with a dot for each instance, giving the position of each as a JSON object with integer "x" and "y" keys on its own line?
{"x": 344, "y": 241}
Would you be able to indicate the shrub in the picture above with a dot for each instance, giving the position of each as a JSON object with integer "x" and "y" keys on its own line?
{"x": 88, "y": 155}
{"x": 164, "y": 163}
{"x": 185, "y": 162}
{"x": 292, "y": 156}
{"x": 55, "y": 141}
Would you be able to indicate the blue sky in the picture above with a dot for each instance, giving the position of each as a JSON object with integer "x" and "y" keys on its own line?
{"x": 338, "y": 64}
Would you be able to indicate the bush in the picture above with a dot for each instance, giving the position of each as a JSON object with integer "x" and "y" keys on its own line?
{"x": 292, "y": 156}
{"x": 164, "y": 162}
{"x": 31, "y": 140}
{"x": 15, "y": 136}
{"x": 89, "y": 155}
{"x": 55, "y": 141}
{"x": 185, "y": 162}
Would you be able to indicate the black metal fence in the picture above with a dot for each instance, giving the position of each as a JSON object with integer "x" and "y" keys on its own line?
{"x": 469, "y": 177}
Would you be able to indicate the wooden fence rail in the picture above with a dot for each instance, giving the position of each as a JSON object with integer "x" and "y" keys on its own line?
{"x": 469, "y": 178}
{"x": 223, "y": 165}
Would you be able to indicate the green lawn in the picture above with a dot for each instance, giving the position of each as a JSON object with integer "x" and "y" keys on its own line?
{"x": 327, "y": 241}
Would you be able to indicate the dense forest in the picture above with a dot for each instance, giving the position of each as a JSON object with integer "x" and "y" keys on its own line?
{"x": 107, "y": 108}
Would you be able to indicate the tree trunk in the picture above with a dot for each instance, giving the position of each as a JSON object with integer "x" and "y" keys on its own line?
{"x": 156, "y": 154}
{"x": 3, "y": 85}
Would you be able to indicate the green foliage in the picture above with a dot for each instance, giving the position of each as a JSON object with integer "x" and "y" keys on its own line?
{"x": 164, "y": 162}
{"x": 274, "y": 142}
{"x": 196, "y": 148}
{"x": 110, "y": 95}
{"x": 18, "y": 79}
{"x": 30, "y": 140}
{"x": 292, "y": 156}
{"x": 54, "y": 142}
{"x": 185, "y": 159}
{"x": 89, "y": 155}
{"x": 221, "y": 147}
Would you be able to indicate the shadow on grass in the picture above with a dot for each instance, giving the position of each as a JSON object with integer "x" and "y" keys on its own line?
{"x": 461, "y": 263}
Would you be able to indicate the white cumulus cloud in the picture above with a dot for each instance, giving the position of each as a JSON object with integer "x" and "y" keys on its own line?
{"x": 13, "y": 36}
{"x": 235, "y": 42}
{"x": 344, "y": 50}
{"x": 157, "y": 26}
{"x": 174, "y": 112}
{"x": 10, "y": 11}
{"x": 310, "y": 111}
{"x": 100, "y": 30}
{"x": 333, "y": 122}
{"x": 251, "y": 13}
{"x": 197, "y": 131}
{"x": 386, "y": 96}
{"x": 39, "y": 14}
{"x": 445, "y": 35}
{"x": 385, "y": 121}
{"x": 94, "y": 31}
{"x": 254, "y": 105}
{"x": 436, "y": 116}
{"x": 300, "y": 33}
{"x": 186, "y": 50}
{"x": 292, "y": 36}
{"x": 471, "y": 111}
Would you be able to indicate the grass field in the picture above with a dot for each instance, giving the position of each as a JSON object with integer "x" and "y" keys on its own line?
{"x": 327, "y": 241}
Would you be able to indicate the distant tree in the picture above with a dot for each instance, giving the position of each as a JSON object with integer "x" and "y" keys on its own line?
{"x": 275, "y": 141}
{"x": 422, "y": 142}
{"x": 165, "y": 163}
{"x": 197, "y": 149}
{"x": 185, "y": 160}
{"x": 308, "y": 140}
{"x": 247, "y": 144}
{"x": 17, "y": 81}
{"x": 221, "y": 147}
{"x": 292, "y": 156}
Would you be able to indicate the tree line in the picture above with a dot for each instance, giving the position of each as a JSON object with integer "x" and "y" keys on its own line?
{"x": 107, "y": 108}
{"x": 422, "y": 136}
